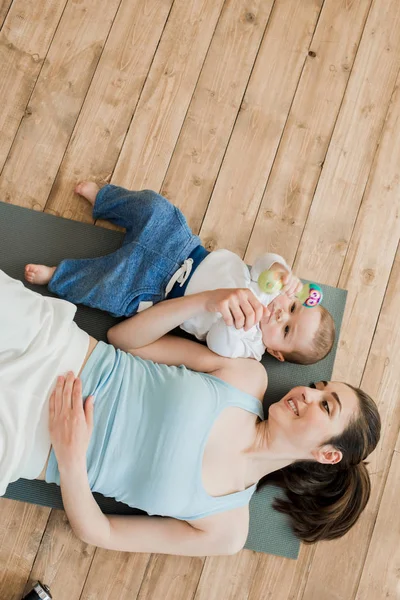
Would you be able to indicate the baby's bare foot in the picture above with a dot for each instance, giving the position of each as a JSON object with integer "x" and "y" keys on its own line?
{"x": 39, "y": 274}
{"x": 87, "y": 189}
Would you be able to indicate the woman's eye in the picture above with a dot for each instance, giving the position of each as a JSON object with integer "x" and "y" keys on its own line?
{"x": 292, "y": 308}
{"x": 326, "y": 406}
{"x": 286, "y": 330}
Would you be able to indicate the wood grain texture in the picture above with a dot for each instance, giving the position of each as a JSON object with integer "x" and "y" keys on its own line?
{"x": 302, "y": 150}
{"x": 259, "y": 126}
{"x": 21, "y": 529}
{"x": 334, "y": 210}
{"x": 110, "y": 103}
{"x": 115, "y": 575}
{"x": 212, "y": 112}
{"x": 62, "y": 561}
{"x": 54, "y": 106}
{"x": 170, "y": 577}
{"x": 380, "y": 577}
{"x": 163, "y": 104}
{"x": 371, "y": 251}
{"x": 24, "y": 41}
{"x": 4, "y": 8}
{"x": 228, "y": 577}
{"x": 381, "y": 381}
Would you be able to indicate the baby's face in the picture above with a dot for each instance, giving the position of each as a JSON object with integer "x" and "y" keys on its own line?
{"x": 290, "y": 326}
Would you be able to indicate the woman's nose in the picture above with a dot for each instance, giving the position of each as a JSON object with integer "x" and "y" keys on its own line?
{"x": 310, "y": 395}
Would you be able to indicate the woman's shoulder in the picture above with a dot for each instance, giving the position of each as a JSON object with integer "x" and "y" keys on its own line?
{"x": 231, "y": 526}
{"x": 245, "y": 374}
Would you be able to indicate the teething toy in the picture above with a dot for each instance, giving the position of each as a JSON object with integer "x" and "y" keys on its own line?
{"x": 310, "y": 295}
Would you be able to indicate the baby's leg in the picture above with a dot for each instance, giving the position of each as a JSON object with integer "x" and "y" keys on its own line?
{"x": 88, "y": 190}
{"x": 39, "y": 274}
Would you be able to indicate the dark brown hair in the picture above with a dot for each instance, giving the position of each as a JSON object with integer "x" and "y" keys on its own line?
{"x": 321, "y": 344}
{"x": 324, "y": 501}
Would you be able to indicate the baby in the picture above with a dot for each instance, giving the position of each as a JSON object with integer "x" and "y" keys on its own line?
{"x": 161, "y": 258}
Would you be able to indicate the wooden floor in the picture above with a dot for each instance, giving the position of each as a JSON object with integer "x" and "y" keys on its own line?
{"x": 272, "y": 125}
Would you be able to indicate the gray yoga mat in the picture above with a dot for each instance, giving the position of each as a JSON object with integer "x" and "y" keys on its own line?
{"x": 30, "y": 236}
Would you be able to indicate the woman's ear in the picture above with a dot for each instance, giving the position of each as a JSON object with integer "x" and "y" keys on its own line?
{"x": 328, "y": 455}
{"x": 276, "y": 354}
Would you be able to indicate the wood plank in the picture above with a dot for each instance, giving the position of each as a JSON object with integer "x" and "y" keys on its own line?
{"x": 4, "y": 8}
{"x": 111, "y": 100}
{"x": 162, "y": 107}
{"x": 171, "y": 577}
{"x": 24, "y": 41}
{"x": 368, "y": 265}
{"x": 55, "y": 103}
{"x": 280, "y": 578}
{"x": 212, "y": 112}
{"x": 62, "y": 561}
{"x": 258, "y": 129}
{"x": 21, "y": 529}
{"x": 380, "y": 577}
{"x": 227, "y": 577}
{"x": 115, "y": 575}
{"x": 344, "y": 176}
{"x": 302, "y": 150}
{"x": 381, "y": 380}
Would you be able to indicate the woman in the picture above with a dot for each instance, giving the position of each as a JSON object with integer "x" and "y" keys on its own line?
{"x": 199, "y": 461}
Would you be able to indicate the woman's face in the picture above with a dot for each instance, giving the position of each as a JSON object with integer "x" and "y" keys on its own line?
{"x": 307, "y": 417}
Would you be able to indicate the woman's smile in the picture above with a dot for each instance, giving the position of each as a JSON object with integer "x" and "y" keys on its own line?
{"x": 292, "y": 406}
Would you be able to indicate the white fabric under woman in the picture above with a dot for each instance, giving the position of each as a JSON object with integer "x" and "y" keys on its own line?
{"x": 38, "y": 337}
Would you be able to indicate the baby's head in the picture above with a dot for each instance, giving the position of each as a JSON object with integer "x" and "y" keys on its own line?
{"x": 296, "y": 333}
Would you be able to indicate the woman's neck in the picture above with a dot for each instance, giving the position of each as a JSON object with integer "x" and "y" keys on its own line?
{"x": 261, "y": 457}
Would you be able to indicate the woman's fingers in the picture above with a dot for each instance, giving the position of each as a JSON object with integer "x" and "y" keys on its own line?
{"x": 257, "y": 308}
{"x": 238, "y": 307}
{"x": 76, "y": 396}
{"x": 224, "y": 309}
{"x": 67, "y": 392}
{"x": 246, "y": 309}
{"x": 89, "y": 405}
{"x": 52, "y": 406}
{"x": 243, "y": 314}
{"x": 58, "y": 395}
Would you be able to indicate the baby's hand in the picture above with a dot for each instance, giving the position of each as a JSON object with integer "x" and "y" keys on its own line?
{"x": 291, "y": 283}
{"x": 238, "y": 307}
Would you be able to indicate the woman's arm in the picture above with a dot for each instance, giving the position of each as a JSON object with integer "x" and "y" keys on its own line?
{"x": 237, "y": 306}
{"x": 245, "y": 374}
{"x": 70, "y": 430}
{"x": 144, "y": 533}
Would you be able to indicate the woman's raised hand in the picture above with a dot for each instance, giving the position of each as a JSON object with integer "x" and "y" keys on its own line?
{"x": 70, "y": 422}
{"x": 238, "y": 306}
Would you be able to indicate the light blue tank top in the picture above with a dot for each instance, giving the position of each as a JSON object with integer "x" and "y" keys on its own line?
{"x": 151, "y": 425}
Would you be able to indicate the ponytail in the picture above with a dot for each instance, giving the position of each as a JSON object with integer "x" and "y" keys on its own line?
{"x": 324, "y": 501}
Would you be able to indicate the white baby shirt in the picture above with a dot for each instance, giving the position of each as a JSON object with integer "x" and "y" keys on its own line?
{"x": 224, "y": 269}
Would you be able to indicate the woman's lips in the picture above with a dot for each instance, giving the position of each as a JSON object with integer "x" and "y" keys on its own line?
{"x": 288, "y": 402}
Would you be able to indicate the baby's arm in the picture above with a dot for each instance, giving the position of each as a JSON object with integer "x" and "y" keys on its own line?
{"x": 277, "y": 264}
